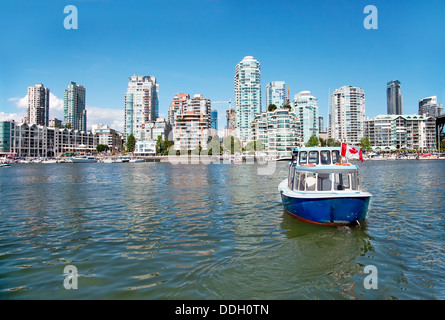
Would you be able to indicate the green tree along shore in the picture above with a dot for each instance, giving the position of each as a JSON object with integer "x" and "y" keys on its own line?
{"x": 163, "y": 146}
{"x": 131, "y": 143}
{"x": 102, "y": 148}
{"x": 365, "y": 145}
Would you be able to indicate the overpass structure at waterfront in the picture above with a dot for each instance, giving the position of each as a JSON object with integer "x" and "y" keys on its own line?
{"x": 440, "y": 123}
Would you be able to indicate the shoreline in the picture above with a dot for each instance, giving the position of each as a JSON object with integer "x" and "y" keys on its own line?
{"x": 194, "y": 159}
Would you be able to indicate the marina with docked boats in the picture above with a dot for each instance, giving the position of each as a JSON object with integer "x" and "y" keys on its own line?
{"x": 82, "y": 158}
{"x": 223, "y": 159}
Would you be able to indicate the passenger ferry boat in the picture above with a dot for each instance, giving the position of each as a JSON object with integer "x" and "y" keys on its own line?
{"x": 323, "y": 189}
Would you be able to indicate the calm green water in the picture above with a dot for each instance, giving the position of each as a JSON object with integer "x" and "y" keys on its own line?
{"x": 218, "y": 231}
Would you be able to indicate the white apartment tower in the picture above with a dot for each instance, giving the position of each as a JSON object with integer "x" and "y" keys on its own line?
{"x": 276, "y": 93}
{"x": 192, "y": 128}
{"x": 428, "y": 106}
{"x": 305, "y": 106}
{"x": 247, "y": 95}
{"x": 141, "y": 104}
{"x": 347, "y": 115}
{"x": 38, "y": 105}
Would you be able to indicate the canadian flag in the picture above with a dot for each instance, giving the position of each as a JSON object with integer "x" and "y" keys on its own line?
{"x": 351, "y": 152}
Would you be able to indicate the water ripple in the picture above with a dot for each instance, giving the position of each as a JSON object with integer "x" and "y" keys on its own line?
{"x": 162, "y": 231}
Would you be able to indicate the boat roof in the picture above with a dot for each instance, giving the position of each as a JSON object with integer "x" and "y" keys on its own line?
{"x": 316, "y": 149}
{"x": 328, "y": 168}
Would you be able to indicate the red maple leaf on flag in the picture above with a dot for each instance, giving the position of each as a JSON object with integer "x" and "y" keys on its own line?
{"x": 353, "y": 151}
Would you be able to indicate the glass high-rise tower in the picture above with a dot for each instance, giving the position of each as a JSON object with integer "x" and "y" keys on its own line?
{"x": 394, "y": 97}
{"x": 247, "y": 95}
{"x": 74, "y": 107}
{"x": 214, "y": 119}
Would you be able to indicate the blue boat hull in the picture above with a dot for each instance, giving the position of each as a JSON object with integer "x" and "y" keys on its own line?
{"x": 328, "y": 211}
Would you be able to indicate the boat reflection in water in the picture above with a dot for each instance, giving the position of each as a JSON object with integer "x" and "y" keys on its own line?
{"x": 323, "y": 189}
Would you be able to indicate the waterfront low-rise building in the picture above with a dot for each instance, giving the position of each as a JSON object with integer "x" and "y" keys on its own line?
{"x": 151, "y": 130}
{"x": 107, "y": 136}
{"x": 40, "y": 141}
{"x": 54, "y": 123}
{"x": 145, "y": 148}
{"x": 278, "y": 131}
{"x": 401, "y": 132}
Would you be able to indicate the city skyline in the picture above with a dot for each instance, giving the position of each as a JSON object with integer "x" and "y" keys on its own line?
{"x": 100, "y": 46}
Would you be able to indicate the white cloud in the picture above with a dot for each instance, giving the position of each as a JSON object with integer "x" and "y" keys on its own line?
{"x": 55, "y": 107}
{"x": 112, "y": 117}
{"x": 11, "y": 116}
{"x": 55, "y": 103}
{"x": 21, "y": 103}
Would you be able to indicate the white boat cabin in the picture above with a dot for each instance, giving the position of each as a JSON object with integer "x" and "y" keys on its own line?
{"x": 321, "y": 170}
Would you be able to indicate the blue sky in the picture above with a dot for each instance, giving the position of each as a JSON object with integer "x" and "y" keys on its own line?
{"x": 192, "y": 46}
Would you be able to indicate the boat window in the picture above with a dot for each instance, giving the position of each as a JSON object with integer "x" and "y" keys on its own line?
{"x": 341, "y": 181}
{"x": 324, "y": 182}
{"x": 325, "y": 157}
{"x": 313, "y": 157}
{"x": 296, "y": 181}
{"x": 354, "y": 181}
{"x": 291, "y": 177}
{"x": 299, "y": 185}
{"x": 303, "y": 157}
{"x": 358, "y": 181}
{"x": 311, "y": 181}
{"x": 346, "y": 181}
{"x": 295, "y": 186}
{"x": 294, "y": 156}
{"x": 335, "y": 156}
